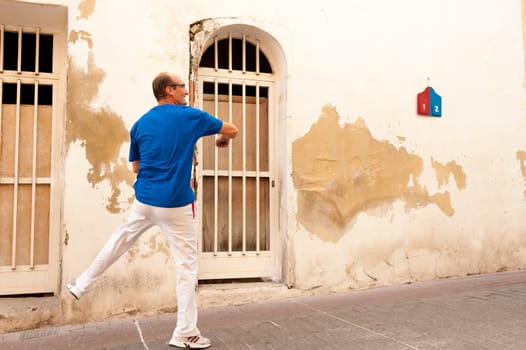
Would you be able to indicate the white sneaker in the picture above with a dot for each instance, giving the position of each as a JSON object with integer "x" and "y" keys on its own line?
{"x": 74, "y": 290}
{"x": 195, "y": 342}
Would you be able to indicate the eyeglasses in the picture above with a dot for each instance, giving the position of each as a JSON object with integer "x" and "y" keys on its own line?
{"x": 176, "y": 85}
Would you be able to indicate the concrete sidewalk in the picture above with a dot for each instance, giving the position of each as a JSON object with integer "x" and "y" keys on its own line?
{"x": 477, "y": 312}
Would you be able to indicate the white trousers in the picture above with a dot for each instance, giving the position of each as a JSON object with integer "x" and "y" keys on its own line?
{"x": 180, "y": 229}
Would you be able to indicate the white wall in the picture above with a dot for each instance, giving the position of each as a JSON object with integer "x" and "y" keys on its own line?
{"x": 368, "y": 59}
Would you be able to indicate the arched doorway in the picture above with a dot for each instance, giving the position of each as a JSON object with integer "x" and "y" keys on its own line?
{"x": 237, "y": 191}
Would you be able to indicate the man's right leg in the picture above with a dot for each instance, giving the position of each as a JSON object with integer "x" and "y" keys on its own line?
{"x": 120, "y": 241}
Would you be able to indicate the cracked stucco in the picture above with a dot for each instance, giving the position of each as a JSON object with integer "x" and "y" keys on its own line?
{"x": 342, "y": 171}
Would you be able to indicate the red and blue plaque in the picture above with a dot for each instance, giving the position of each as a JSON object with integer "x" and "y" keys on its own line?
{"x": 429, "y": 103}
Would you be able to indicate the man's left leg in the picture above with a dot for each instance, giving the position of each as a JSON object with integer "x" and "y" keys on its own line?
{"x": 180, "y": 228}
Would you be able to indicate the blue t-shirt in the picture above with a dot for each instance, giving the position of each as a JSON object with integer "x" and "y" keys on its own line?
{"x": 163, "y": 141}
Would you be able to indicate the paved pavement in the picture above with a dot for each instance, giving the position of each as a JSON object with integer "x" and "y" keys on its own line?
{"x": 477, "y": 312}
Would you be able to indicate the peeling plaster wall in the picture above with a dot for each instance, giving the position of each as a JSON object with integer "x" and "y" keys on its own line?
{"x": 109, "y": 88}
{"x": 373, "y": 222}
{"x": 373, "y": 194}
{"x": 385, "y": 196}
{"x": 342, "y": 171}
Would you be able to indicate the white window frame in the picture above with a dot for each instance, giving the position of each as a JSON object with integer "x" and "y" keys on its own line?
{"x": 43, "y": 19}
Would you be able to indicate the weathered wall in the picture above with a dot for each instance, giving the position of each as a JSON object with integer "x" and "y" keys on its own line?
{"x": 108, "y": 90}
{"x": 342, "y": 171}
{"x": 372, "y": 221}
{"x": 373, "y": 193}
{"x": 385, "y": 196}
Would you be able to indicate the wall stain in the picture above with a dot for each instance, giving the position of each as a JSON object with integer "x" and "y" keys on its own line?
{"x": 153, "y": 245}
{"x": 80, "y": 35}
{"x": 86, "y": 8}
{"x": 444, "y": 171}
{"x": 521, "y": 156}
{"x": 342, "y": 171}
{"x": 101, "y": 131}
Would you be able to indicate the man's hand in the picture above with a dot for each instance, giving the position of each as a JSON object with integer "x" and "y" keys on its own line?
{"x": 222, "y": 141}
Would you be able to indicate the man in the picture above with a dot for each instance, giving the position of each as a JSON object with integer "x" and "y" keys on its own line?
{"x": 161, "y": 151}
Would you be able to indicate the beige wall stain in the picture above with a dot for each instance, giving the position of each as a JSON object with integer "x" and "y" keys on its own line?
{"x": 76, "y": 35}
{"x": 155, "y": 244}
{"x": 86, "y": 8}
{"x": 342, "y": 171}
{"x": 443, "y": 172}
{"x": 521, "y": 157}
{"x": 101, "y": 131}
